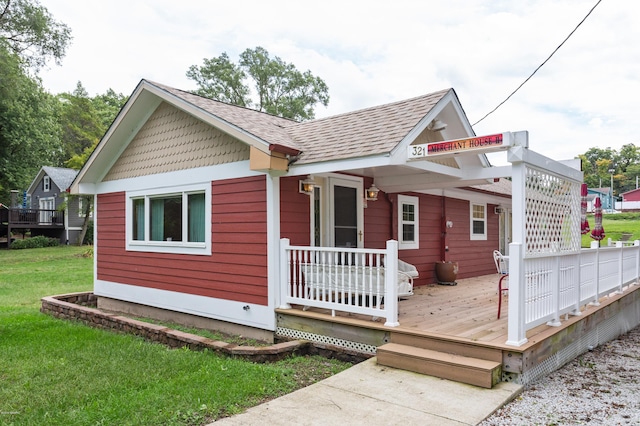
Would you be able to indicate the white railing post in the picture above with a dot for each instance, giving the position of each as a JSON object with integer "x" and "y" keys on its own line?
{"x": 636, "y": 245}
{"x": 285, "y": 274}
{"x": 596, "y": 245}
{"x": 516, "y": 333}
{"x": 620, "y": 266}
{"x": 390, "y": 284}
{"x": 555, "y": 282}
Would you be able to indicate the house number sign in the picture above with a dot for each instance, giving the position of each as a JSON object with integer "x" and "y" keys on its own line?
{"x": 497, "y": 142}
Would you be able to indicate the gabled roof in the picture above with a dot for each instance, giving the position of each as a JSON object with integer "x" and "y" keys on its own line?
{"x": 376, "y": 131}
{"x": 365, "y": 132}
{"x": 605, "y": 190}
{"x": 631, "y": 191}
{"x": 61, "y": 177}
{"x": 266, "y": 127}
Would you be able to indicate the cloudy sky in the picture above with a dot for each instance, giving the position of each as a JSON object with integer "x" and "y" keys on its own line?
{"x": 373, "y": 52}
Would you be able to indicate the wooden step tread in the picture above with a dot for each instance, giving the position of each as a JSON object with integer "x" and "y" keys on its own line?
{"x": 474, "y": 371}
{"x": 443, "y": 357}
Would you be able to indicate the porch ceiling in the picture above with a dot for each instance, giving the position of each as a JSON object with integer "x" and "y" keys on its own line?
{"x": 427, "y": 175}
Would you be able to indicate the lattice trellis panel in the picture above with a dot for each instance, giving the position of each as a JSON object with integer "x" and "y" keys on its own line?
{"x": 552, "y": 215}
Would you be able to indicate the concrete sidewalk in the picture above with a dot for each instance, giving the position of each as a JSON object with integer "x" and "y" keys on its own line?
{"x": 370, "y": 394}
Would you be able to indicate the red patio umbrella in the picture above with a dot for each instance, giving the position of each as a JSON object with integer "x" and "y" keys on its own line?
{"x": 598, "y": 230}
{"x": 584, "y": 223}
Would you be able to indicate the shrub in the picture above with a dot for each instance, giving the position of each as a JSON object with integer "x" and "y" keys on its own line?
{"x": 35, "y": 242}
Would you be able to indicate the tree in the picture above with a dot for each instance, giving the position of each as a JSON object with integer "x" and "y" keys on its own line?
{"x": 628, "y": 155}
{"x": 108, "y": 105}
{"x": 29, "y": 127}
{"x": 85, "y": 120}
{"x": 601, "y": 166}
{"x": 280, "y": 88}
{"x": 81, "y": 125}
{"x": 28, "y": 30}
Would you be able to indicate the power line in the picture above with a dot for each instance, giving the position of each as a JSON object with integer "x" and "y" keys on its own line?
{"x": 540, "y": 66}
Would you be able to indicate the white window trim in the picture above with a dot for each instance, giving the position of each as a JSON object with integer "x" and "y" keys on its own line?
{"x": 46, "y": 184}
{"x": 178, "y": 247}
{"x": 472, "y": 236}
{"x": 81, "y": 201}
{"x": 415, "y": 201}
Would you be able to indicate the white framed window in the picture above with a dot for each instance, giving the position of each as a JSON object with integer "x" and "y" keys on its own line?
{"x": 175, "y": 220}
{"x": 408, "y": 222}
{"x": 478, "y": 225}
{"x": 82, "y": 203}
{"x": 46, "y": 184}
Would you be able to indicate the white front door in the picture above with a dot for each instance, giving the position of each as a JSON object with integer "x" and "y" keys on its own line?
{"x": 346, "y": 218}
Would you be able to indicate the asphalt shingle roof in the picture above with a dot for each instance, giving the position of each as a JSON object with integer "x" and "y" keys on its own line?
{"x": 371, "y": 131}
{"x": 62, "y": 177}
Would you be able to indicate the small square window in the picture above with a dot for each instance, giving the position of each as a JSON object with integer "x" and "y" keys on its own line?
{"x": 478, "y": 222}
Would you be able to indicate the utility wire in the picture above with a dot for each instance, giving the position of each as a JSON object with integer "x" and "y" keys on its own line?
{"x": 540, "y": 66}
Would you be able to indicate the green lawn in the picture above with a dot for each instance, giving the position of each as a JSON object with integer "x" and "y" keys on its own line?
{"x": 616, "y": 226}
{"x": 58, "y": 372}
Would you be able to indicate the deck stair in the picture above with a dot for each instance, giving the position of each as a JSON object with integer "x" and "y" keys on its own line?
{"x": 458, "y": 362}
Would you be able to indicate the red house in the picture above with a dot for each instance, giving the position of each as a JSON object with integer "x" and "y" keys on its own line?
{"x": 193, "y": 197}
{"x": 633, "y": 195}
{"x": 274, "y": 228}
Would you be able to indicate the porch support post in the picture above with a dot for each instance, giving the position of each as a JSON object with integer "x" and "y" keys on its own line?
{"x": 391, "y": 284}
{"x": 283, "y": 287}
{"x": 272, "y": 183}
{"x": 516, "y": 332}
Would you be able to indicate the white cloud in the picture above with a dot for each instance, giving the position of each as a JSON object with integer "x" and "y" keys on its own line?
{"x": 376, "y": 51}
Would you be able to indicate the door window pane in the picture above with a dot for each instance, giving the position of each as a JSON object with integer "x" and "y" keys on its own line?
{"x": 345, "y": 216}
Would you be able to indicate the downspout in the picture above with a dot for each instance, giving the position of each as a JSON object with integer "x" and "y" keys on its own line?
{"x": 391, "y": 215}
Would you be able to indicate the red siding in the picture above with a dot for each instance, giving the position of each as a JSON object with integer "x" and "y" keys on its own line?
{"x": 237, "y": 268}
{"x": 377, "y": 220}
{"x": 474, "y": 257}
{"x": 295, "y": 209}
{"x": 633, "y": 195}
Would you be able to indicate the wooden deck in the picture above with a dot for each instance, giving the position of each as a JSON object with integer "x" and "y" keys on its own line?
{"x": 462, "y": 319}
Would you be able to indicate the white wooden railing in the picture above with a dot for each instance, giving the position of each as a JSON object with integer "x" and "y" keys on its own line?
{"x": 542, "y": 289}
{"x": 361, "y": 281}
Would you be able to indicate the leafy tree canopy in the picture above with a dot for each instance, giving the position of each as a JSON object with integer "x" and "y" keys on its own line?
{"x": 601, "y": 165}
{"x": 280, "y": 88}
{"x": 29, "y": 127}
{"x": 28, "y": 30}
{"x": 85, "y": 120}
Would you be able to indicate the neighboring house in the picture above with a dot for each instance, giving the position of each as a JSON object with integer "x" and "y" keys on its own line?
{"x": 633, "y": 195}
{"x": 629, "y": 201}
{"x": 249, "y": 220}
{"x": 608, "y": 201}
{"x": 48, "y": 194}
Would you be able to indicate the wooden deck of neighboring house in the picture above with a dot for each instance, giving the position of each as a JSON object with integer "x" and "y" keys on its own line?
{"x": 40, "y": 221}
{"x": 444, "y": 329}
